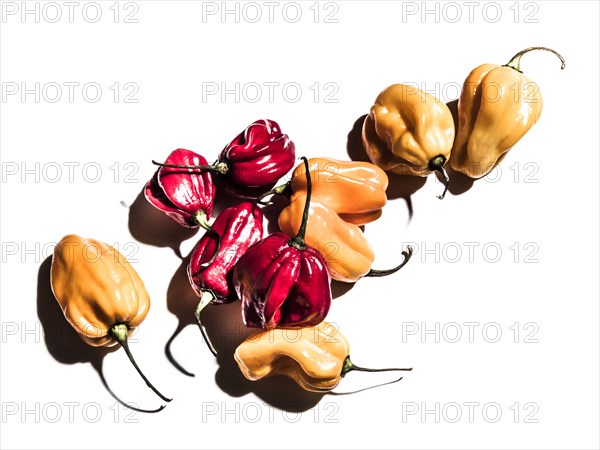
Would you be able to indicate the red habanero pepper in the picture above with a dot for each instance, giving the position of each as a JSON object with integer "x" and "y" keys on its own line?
{"x": 184, "y": 194}
{"x": 282, "y": 281}
{"x": 259, "y": 156}
{"x": 255, "y": 159}
{"x": 239, "y": 226}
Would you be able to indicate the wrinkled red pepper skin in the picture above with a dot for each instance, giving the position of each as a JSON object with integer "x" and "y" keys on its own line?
{"x": 182, "y": 193}
{"x": 280, "y": 285}
{"x": 239, "y": 226}
{"x": 259, "y": 156}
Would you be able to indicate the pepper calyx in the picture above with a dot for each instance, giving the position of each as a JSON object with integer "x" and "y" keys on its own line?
{"x": 437, "y": 164}
{"x": 347, "y": 367}
{"x": 297, "y": 243}
{"x": 222, "y": 167}
{"x": 119, "y": 332}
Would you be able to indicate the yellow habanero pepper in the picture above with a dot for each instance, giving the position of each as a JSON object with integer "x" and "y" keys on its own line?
{"x": 347, "y": 252}
{"x": 409, "y": 132}
{"x": 317, "y": 360}
{"x": 497, "y": 106}
{"x": 355, "y": 190}
{"x": 100, "y": 293}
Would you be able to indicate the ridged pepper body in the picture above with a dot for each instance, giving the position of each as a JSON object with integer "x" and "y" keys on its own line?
{"x": 406, "y": 129}
{"x": 185, "y": 195}
{"x": 239, "y": 226}
{"x": 281, "y": 285}
{"x": 497, "y": 106}
{"x": 259, "y": 156}
{"x": 313, "y": 357}
{"x": 346, "y": 251}
{"x": 353, "y": 189}
{"x": 97, "y": 288}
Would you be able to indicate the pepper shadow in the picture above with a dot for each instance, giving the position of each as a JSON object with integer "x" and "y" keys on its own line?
{"x": 236, "y": 192}
{"x": 354, "y": 146}
{"x": 150, "y": 226}
{"x": 228, "y": 195}
{"x": 181, "y": 302}
{"x": 272, "y": 212}
{"x": 400, "y": 186}
{"x": 226, "y": 330}
{"x": 61, "y": 339}
{"x": 459, "y": 183}
{"x": 339, "y": 288}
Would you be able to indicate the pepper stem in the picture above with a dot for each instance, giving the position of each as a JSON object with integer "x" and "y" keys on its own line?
{"x": 515, "y": 61}
{"x": 437, "y": 164}
{"x": 350, "y": 366}
{"x": 202, "y": 220}
{"x": 283, "y": 189}
{"x": 119, "y": 333}
{"x": 220, "y": 167}
{"x": 382, "y": 273}
{"x": 298, "y": 240}
{"x": 206, "y": 297}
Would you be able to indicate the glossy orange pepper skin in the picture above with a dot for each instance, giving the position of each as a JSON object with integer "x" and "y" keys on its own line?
{"x": 498, "y": 105}
{"x": 353, "y": 189}
{"x": 406, "y": 130}
{"x": 313, "y": 356}
{"x": 347, "y": 252}
{"x": 97, "y": 288}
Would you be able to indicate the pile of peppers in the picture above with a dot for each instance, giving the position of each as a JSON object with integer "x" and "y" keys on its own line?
{"x": 283, "y": 280}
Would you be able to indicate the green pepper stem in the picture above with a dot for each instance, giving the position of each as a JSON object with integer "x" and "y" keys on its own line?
{"x": 283, "y": 189}
{"x": 437, "y": 164}
{"x": 350, "y": 366}
{"x": 206, "y": 296}
{"x": 220, "y": 167}
{"x": 382, "y": 273}
{"x": 202, "y": 220}
{"x": 515, "y": 61}
{"x": 119, "y": 333}
{"x": 298, "y": 240}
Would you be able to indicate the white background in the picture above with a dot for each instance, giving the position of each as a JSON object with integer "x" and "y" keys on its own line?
{"x": 540, "y": 210}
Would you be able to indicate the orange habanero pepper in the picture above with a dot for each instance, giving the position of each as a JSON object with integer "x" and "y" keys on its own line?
{"x": 317, "y": 358}
{"x": 355, "y": 190}
{"x": 347, "y": 252}
{"x": 100, "y": 293}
